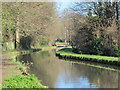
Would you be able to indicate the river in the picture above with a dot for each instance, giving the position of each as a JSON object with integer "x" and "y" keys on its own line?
{"x": 57, "y": 73}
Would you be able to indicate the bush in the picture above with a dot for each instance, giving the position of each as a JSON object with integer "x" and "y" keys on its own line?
{"x": 75, "y": 50}
{"x": 6, "y": 46}
{"x": 44, "y": 41}
{"x": 98, "y": 46}
{"x": 117, "y": 50}
{"x": 22, "y": 81}
{"x": 25, "y": 42}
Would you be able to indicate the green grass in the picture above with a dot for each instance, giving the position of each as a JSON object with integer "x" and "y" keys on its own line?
{"x": 60, "y": 43}
{"x": 0, "y": 86}
{"x": 68, "y": 52}
{"x": 15, "y": 79}
{"x": 21, "y": 81}
{"x": 20, "y": 65}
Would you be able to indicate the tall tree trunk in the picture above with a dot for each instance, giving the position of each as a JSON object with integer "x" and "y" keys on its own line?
{"x": 117, "y": 14}
{"x": 17, "y": 39}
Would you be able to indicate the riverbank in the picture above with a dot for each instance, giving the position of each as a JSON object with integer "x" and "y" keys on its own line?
{"x": 96, "y": 65}
{"x": 67, "y": 53}
{"x": 14, "y": 71}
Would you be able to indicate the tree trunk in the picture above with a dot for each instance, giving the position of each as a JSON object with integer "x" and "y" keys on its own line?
{"x": 17, "y": 39}
{"x": 117, "y": 14}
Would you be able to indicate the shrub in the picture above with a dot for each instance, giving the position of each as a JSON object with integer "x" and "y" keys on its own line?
{"x": 98, "y": 45}
{"x": 116, "y": 50}
{"x": 44, "y": 41}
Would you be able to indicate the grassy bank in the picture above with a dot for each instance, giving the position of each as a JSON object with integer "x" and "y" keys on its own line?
{"x": 15, "y": 73}
{"x": 17, "y": 52}
{"x": 22, "y": 81}
{"x": 68, "y": 52}
{"x": 27, "y": 51}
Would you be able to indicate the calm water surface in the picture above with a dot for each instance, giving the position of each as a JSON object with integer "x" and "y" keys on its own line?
{"x": 57, "y": 73}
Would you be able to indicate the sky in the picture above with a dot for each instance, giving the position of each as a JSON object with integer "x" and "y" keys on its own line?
{"x": 66, "y": 4}
{"x": 61, "y": 6}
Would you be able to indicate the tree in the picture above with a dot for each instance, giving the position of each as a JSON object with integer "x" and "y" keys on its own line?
{"x": 22, "y": 20}
{"x": 100, "y": 27}
{"x": 9, "y": 14}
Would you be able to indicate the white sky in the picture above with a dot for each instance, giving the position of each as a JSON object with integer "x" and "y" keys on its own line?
{"x": 61, "y": 6}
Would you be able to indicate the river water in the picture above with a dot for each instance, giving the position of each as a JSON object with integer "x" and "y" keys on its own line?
{"x": 57, "y": 73}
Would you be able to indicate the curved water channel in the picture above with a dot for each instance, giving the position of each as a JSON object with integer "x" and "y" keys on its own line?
{"x": 57, "y": 73}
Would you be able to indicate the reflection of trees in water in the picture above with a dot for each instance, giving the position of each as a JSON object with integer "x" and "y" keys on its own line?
{"x": 40, "y": 55}
{"x": 101, "y": 77}
{"x": 25, "y": 58}
{"x": 45, "y": 68}
{"x": 48, "y": 69}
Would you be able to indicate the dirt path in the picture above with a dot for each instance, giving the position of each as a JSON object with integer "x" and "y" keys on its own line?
{"x": 9, "y": 68}
{"x": 8, "y": 65}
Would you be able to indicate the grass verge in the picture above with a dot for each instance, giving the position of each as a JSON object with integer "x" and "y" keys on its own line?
{"x": 22, "y": 81}
{"x": 18, "y": 76}
{"x": 68, "y": 52}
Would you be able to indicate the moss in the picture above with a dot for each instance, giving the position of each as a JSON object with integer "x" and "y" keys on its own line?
{"x": 68, "y": 52}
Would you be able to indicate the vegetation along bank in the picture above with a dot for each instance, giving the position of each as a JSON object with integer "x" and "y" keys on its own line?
{"x": 16, "y": 74}
{"x": 67, "y": 53}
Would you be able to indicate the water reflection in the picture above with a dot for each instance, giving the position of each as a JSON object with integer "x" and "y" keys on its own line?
{"x": 57, "y": 73}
